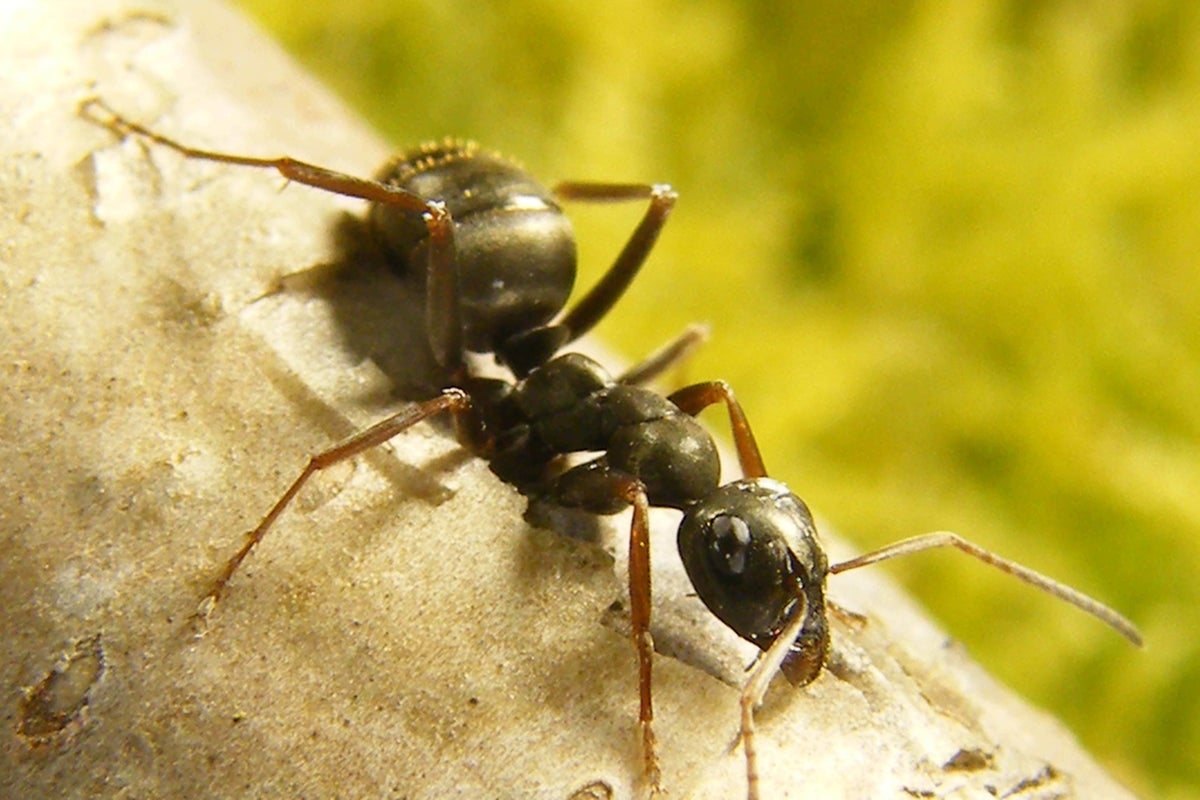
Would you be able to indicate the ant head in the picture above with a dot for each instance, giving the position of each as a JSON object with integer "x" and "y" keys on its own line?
{"x": 750, "y": 549}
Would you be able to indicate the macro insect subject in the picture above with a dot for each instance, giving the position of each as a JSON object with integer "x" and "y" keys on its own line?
{"x": 497, "y": 256}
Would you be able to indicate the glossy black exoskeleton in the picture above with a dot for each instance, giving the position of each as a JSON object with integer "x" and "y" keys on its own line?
{"x": 751, "y": 550}
{"x": 513, "y": 249}
{"x": 497, "y": 256}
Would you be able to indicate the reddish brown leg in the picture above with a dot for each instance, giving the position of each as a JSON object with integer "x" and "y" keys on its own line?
{"x": 455, "y": 401}
{"x": 601, "y": 297}
{"x": 694, "y": 399}
{"x": 445, "y": 326}
{"x": 601, "y": 485}
{"x": 639, "y": 617}
{"x": 299, "y": 171}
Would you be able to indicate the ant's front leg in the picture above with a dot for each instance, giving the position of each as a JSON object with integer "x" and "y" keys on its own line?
{"x": 697, "y": 397}
{"x": 455, "y": 401}
{"x": 756, "y": 689}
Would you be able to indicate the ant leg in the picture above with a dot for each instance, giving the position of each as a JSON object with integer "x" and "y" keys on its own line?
{"x": 844, "y": 614}
{"x": 929, "y": 541}
{"x": 595, "y": 487}
{"x": 443, "y": 311}
{"x": 697, "y": 397}
{"x": 445, "y": 326}
{"x": 671, "y": 354}
{"x": 639, "y": 617}
{"x": 601, "y": 297}
{"x": 302, "y": 172}
{"x": 455, "y": 401}
{"x": 756, "y": 689}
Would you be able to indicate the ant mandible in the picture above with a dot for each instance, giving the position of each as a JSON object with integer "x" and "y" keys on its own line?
{"x": 499, "y": 263}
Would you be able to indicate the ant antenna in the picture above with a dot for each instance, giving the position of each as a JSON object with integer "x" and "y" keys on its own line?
{"x": 929, "y": 541}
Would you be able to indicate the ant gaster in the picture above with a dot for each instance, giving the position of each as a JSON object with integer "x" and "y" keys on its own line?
{"x": 498, "y": 260}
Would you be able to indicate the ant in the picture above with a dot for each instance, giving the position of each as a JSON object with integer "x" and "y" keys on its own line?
{"x": 497, "y": 256}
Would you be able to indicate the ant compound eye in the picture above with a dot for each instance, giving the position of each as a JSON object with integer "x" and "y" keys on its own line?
{"x": 730, "y": 544}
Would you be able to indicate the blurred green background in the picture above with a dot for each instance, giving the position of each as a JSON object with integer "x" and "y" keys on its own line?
{"x": 949, "y": 251}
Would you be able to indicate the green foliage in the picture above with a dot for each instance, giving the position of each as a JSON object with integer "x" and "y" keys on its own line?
{"x": 949, "y": 251}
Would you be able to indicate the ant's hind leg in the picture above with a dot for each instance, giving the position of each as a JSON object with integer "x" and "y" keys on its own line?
{"x": 99, "y": 112}
{"x": 454, "y": 401}
{"x": 442, "y": 302}
{"x": 592, "y": 307}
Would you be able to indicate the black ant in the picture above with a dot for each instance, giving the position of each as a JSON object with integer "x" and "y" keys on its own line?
{"x": 499, "y": 263}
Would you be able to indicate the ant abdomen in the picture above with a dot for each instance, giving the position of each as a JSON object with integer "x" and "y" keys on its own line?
{"x": 514, "y": 248}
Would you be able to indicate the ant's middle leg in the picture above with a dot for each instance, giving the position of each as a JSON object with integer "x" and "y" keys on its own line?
{"x": 594, "y": 486}
{"x": 639, "y": 616}
{"x": 592, "y": 307}
{"x": 672, "y": 354}
{"x": 455, "y": 401}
